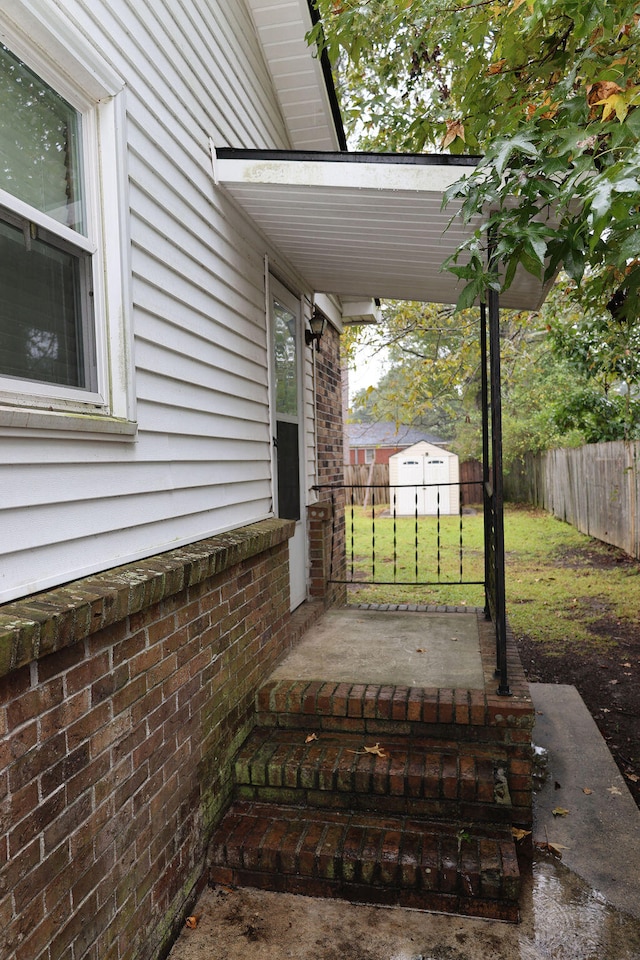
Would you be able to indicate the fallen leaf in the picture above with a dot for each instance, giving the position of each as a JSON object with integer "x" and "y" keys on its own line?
{"x": 587, "y": 791}
{"x": 614, "y": 791}
{"x": 191, "y": 922}
{"x": 614, "y": 681}
{"x": 419, "y": 650}
{"x": 311, "y": 738}
{"x": 555, "y": 849}
{"x": 559, "y": 812}
{"x": 633, "y": 777}
{"x": 455, "y": 639}
{"x": 377, "y": 750}
{"x": 519, "y": 834}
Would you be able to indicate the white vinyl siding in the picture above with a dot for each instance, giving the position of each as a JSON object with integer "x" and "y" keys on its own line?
{"x": 72, "y": 502}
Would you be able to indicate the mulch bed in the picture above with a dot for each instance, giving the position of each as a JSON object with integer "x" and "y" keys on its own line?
{"x": 605, "y": 674}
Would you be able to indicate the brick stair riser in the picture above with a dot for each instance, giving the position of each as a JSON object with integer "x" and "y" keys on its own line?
{"x": 463, "y": 812}
{"x": 508, "y": 740}
{"x": 370, "y": 858}
{"x": 429, "y": 780}
{"x": 354, "y": 702}
{"x": 362, "y": 893}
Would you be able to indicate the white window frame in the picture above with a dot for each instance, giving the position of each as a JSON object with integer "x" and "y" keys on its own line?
{"x": 58, "y": 53}
{"x": 369, "y": 455}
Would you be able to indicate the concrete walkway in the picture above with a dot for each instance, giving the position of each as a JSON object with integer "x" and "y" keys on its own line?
{"x": 600, "y": 834}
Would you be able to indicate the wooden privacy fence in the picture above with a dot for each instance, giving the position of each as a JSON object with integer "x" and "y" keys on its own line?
{"x": 595, "y": 488}
{"x": 377, "y": 475}
{"x": 361, "y": 476}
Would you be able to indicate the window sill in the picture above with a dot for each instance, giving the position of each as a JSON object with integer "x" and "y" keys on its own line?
{"x": 23, "y": 422}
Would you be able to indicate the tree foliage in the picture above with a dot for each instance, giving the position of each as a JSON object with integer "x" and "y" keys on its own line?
{"x": 432, "y": 355}
{"x": 563, "y": 381}
{"x": 547, "y": 90}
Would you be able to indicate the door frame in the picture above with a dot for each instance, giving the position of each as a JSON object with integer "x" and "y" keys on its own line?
{"x": 298, "y": 546}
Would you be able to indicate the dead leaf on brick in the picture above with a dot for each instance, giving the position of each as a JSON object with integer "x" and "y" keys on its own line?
{"x": 376, "y": 750}
{"x": 519, "y": 834}
{"x": 311, "y": 738}
{"x": 559, "y": 812}
{"x": 587, "y": 791}
{"x": 191, "y": 922}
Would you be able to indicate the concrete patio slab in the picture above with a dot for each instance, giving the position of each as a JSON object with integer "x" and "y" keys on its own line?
{"x": 420, "y": 649}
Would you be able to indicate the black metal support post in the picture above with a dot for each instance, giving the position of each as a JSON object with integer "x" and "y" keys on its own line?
{"x": 498, "y": 493}
{"x": 486, "y": 466}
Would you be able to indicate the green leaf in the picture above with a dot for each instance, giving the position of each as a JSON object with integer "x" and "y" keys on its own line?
{"x": 626, "y": 185}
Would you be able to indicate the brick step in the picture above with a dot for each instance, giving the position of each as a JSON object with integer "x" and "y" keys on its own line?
{"x": 378, "y": 708}
{"x": 434, "y": 779}
{"x": 452, "y": 868}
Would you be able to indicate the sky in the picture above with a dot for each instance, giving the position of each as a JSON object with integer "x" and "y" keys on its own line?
{"x": 370, "y": 364}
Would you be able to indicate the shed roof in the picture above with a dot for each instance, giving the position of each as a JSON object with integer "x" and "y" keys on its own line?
{"x": 423, "y": 448}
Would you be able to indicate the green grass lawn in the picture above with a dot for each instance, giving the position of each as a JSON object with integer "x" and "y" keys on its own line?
{"x": 557, "y": 580}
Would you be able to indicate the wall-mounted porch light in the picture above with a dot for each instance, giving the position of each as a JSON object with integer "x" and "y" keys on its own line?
{"x": 317, "y": 324}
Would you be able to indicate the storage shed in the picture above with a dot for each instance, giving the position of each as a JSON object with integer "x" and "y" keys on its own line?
{"x": 425, "y": 479}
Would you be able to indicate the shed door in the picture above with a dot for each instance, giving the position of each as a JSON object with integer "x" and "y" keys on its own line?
{"x": 436, "y": 470}
{"x": 411, "y": 471}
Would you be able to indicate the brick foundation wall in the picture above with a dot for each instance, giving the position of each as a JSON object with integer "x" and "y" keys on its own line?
{"x": 326, "y": 522}
{"x": 123, "y": 698}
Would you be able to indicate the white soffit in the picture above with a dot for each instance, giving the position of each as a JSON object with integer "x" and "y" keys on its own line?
{"x": 297, "y": 74}
{"x": 360, "y": 225}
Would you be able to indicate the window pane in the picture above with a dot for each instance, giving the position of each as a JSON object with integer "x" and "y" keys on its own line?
{"x": 41, "y": 291}
{"x": 285, "y": 354}
{"x": 39, "y": 144}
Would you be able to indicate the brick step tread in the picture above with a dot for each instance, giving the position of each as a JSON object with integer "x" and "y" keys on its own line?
{"x": 369, "y": 858}
{"x": 358, "y": 706}
{"x": 443, "y": 771}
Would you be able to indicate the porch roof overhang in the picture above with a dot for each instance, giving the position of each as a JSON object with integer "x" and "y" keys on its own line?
{"x": 362, "y": 225}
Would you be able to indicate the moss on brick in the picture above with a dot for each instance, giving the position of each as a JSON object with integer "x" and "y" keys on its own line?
{"x": 45, "y": 622}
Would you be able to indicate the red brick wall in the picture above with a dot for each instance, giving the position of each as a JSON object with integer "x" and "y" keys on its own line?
{"x": 382, "y": 454}
{"x": 326, "y": 528}
{"x": 123, "y": 698}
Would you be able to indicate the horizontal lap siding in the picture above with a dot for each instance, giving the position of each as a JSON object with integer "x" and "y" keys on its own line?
{"x": 201, "y": 461}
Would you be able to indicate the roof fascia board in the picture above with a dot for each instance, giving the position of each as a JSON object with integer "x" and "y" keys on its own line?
{"x": 317, "y": 170}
